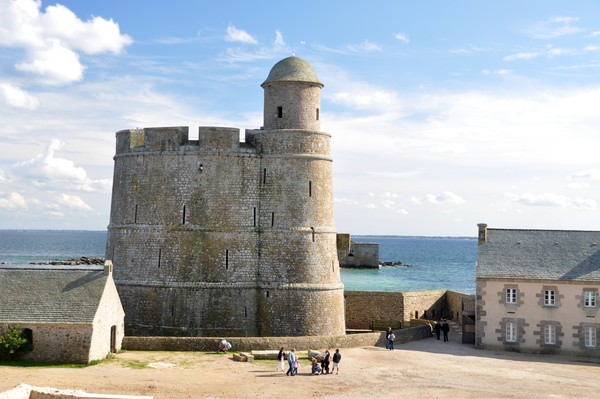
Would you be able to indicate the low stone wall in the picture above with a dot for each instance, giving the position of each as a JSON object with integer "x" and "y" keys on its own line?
{"x": 362, "y": 307}
{"x": 428, "y": 305}
{"x": 24, "y": 391}
{"x": 265, "y": 343}
{"x": 454, "y": 302}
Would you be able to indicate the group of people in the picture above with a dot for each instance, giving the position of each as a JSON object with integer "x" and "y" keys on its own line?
{"x": 317, "y": 367}
{"x": 441, "y": 328}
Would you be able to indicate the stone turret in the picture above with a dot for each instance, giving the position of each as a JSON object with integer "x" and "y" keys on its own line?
{"x": 220, "y": 238}
{"x": 292, "y": 96}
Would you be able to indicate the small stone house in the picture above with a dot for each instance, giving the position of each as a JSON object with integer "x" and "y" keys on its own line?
{"x": 70, "y": 314}
{"x": 537, "y": 291}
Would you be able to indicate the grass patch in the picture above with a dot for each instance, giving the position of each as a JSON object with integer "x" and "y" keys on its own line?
{"x": 136, "y": 364}
{"x": 30, "y": 363}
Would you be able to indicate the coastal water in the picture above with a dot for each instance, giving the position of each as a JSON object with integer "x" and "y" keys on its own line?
{"x": 428, "y": 263}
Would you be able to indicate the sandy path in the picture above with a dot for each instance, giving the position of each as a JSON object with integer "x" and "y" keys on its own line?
{"x": 427, "y": 368}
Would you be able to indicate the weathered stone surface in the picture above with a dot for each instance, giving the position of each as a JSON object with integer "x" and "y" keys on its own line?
{"x": 213, "y": 237}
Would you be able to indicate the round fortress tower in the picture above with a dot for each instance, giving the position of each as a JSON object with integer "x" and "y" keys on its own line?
{"x": 220, "y": 238}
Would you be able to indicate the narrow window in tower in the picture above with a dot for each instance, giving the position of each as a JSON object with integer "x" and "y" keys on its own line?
{"x": 310, "y": 188}
{"x": 226, "y": 259}
{"x": 183, "y": 218}
{"x": 317, "y": 113}
{"x": 332, "y": 266}
{"x": 159, "y": 256}
{"x": 245, "y": 311}
{"x": 172, "y": 311}
{"x": 254, "y": 222}
{"x": 280, "y": 112}
{"x": 267, "y": 294}
{"x": 135, "y": 215}
{"x": 313, "y": 233}
{"x": 265, "y": 176}
{"x": 272, "y": 219}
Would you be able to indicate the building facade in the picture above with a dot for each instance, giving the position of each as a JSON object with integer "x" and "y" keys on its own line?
{"x": 537, "y": 291}
{"x": 69, "y": 315}
{"x": 217, "y": 237}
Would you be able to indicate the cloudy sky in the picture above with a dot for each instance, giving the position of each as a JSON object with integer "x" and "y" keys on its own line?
{"x": 443, "y": 114}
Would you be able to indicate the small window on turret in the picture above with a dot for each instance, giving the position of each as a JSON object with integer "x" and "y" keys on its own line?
{"x": 280, "y": 112}
{"x": 317, "y": 113}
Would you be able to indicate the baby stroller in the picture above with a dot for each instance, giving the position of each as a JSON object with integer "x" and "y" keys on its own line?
{"x": 224, "y": 346}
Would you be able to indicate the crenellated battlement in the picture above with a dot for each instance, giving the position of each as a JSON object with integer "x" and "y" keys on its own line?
{"x": 226, "y": 235}
{"x": 173, "y": 138}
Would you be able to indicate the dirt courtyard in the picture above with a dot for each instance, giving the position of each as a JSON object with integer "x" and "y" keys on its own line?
{"x": 427, "y": 368}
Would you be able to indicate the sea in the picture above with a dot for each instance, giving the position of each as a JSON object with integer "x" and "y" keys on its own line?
{"x": 428, "y": 263}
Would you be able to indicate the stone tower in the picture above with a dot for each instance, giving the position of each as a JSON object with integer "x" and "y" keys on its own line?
{"x": 220, "y": 238}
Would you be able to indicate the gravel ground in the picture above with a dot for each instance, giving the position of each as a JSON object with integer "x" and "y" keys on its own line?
{"x": 427, "y": 368}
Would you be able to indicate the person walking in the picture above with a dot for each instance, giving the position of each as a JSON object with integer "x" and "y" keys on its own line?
{"x": 390, "y": 339}
{"x": 445, "y": 329}
{"x": 280, "y": 358}
{"x": 291, "y": 357}
{"x": 437, "y": 327}
{"x": 337, "y": 356}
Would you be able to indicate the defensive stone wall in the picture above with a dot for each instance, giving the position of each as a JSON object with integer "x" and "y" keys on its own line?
{"x": 364, "y": 307}
{"x": 455, "y": 305}
{"x": 428, "y": 305}
{"x": 266, "y": 343}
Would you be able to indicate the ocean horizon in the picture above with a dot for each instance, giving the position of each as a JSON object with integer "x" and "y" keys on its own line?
{"x": 428, "y": 262}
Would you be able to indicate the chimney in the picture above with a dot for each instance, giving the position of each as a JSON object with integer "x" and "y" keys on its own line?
{"x": 482, "y": 236}
{"x": 108, "y": 267}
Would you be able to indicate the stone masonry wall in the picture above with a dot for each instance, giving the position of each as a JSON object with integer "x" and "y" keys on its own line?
{"x": 428, "y": 305}
{"x": 266, "y": 343}
{"x": 59, "y": 343}
{"x": 362, "y": 307}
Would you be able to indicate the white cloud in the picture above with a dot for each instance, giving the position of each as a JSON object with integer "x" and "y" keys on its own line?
{"x": 578, "y": 186}
{"x": 15, "y": 97}
{"x": 345, "y": 201}
{"x": 445, "y": 197}
{"x": 237, "y": 35}
{"x": 551, "y": 200}
{"x": 56, "y": 64}
{"x": 553, "y": 28}
{"x": 360, "y": 95}
{"x": 470, "y": 49}
{"x": 501, "y": 72}
{"x": 12, "y": 201}
{"x": 50, "y": 40}
{"x": 593, "y": 174}
{"x": 522, "y": 56}
{"x": 401, "y": 37}
{"x": 50, "y": 172}
{"x": 279, "y": 42}
{"x": 74, "y": 202}
{"x": 364, "y": 46}
{"x": 94, "y": 36}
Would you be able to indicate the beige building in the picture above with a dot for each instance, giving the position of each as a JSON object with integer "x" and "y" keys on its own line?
{"x": 69, "y": 314}
{"x": 537, "y": 291}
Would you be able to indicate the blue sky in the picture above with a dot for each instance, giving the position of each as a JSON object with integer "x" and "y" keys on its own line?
{"x": 442, "y": 114}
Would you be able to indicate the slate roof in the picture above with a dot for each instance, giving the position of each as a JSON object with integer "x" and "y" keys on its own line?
{"x": 50, "y": 296}
{"x": 540, "y": 255}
